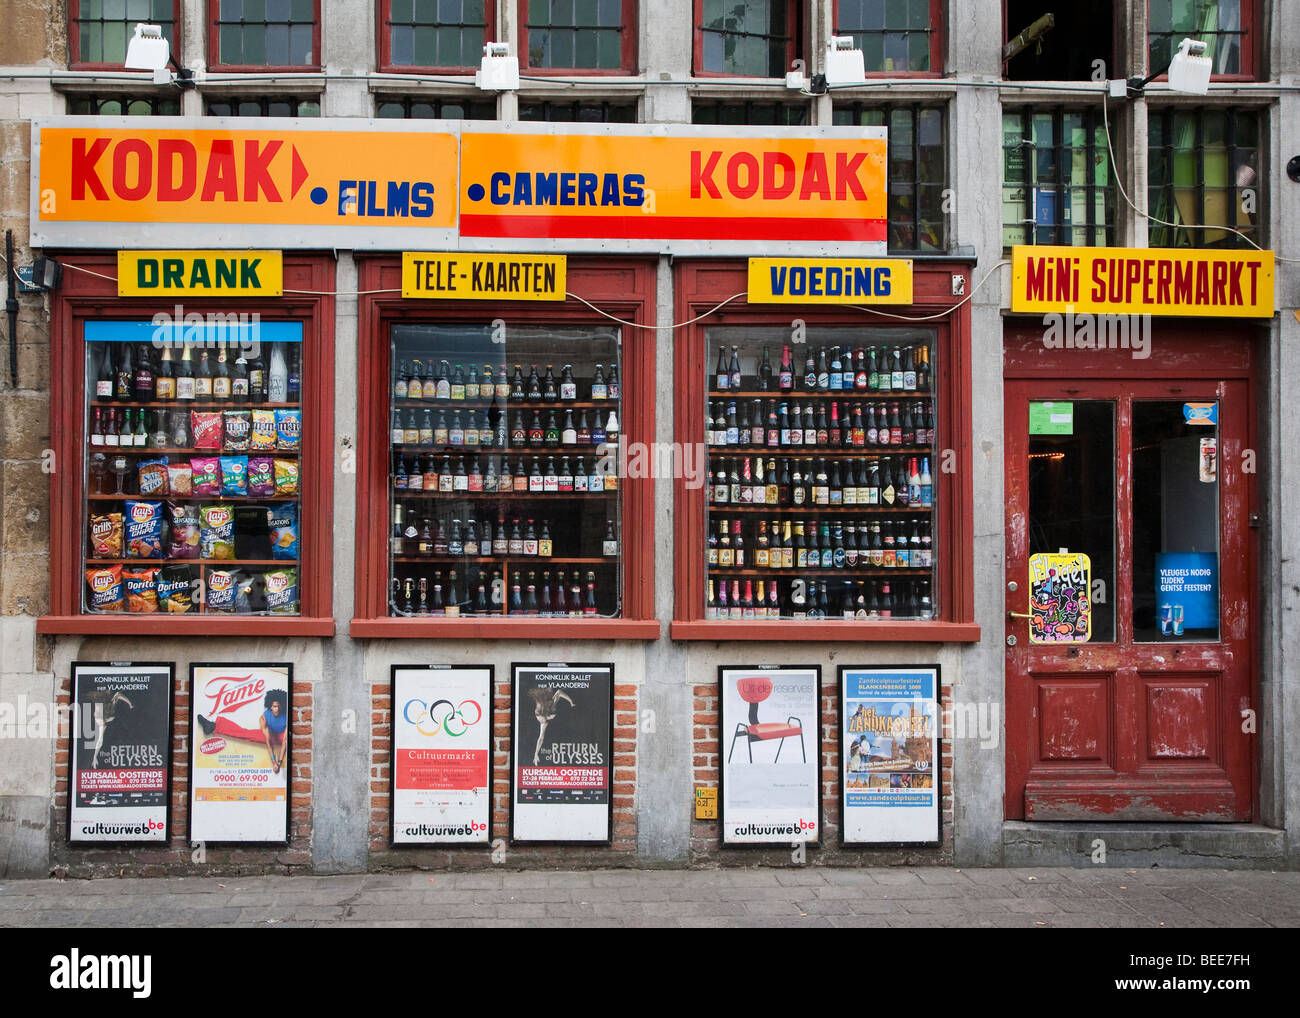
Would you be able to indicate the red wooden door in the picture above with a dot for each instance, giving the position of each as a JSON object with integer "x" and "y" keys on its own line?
{"x": 1145, "y": 720}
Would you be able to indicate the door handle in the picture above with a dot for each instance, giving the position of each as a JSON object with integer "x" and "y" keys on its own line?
{"x": 1020, "y": 615}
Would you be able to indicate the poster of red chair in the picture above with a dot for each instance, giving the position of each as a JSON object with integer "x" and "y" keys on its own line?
{"x": 770, "y": 754}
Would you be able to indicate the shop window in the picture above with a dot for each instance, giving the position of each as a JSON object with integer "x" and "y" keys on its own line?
{"x": 434, "y": 34}
{"x": 1204, "y": 170}
{"x": 100, "y": 29}
{"x": 895, "y": 37}
{"x": 824, "y": 511}
{"x": 407, "y": 108}
{"x": 750, "y": 39}
{"x": 1084, "y": 34}
{"x": 579, "y": 112}
{"x": 578, "y": 35}
{"x": 200, "y": 498}
{"x": 1226, "y": 26}
{"x": 739, "y": 111}
{"x": 917, "y": 171}
{"x": 1057, "y": 184}
{"x": 264, "y": 34}
{"x": 122, "y": 105}
{"x": 267, "y": 106}
{"x": 506, "y": 492}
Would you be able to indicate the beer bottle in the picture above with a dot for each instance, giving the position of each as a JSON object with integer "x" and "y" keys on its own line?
{"x": 124, "y": 383}
{"x": 106, "y": 376}
{"x": 836, "y": 376}
{"x": 734, "y": 369}
{"x": 568, "y": 387}
{"x": 809, "y": 372}
{"x": 549, "y": 391}
{"x": 221, "y": 387}
{"x": 164, "y": 383}
{"x": 765, "y": 372}
{"x": 144, "y": 387}
{"x": 534, "y": 385}
{"x": 722, "y": 376}
{"x": 517, "y": 389}
{"x": 599, "y": 387}
{"x": 185, "y": 377}
{"x": 203, "y": 378}
{"x": 785, "y": 378}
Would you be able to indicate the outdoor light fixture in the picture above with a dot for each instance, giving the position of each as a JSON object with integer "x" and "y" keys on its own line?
{"x": 46, "y": 273}
{"x": 499, "y": 71}
{"x": 1189, "y": 71}
{"x": 844, "y": 64}
{"x": 149, "y": 51}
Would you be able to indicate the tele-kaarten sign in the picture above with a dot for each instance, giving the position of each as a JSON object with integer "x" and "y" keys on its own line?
{"x": 383, "y": 184}
{"x": 120, "y": 783}
{"x": 483, "y": 276}
{"x": 240, "y": 737}
{"x": 889, "y": 754}
{"x": 442, "y": 754}
{"x": 771, "y": 755}
{"x": 1142, "y": 281}
{"x": 561, "y": 774}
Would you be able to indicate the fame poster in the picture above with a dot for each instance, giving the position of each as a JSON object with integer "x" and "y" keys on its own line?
{"x": 889, "y": 755}
{"x": 561, "y": 772}
{"x": 770, "y": 774}
{"x": 442, "y": 754}
{"x": 121, "y": 726}
{"x": 241, "y": 734}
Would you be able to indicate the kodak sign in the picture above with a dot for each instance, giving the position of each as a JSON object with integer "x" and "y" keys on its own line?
{"x": 1151, "y": 281}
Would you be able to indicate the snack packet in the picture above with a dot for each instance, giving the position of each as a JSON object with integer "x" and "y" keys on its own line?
{"x": 216, "y": 531}
{"x": 180, "y": 479}
{"x": 183, "y": 524}
{"x": 141, "y": 589}
{"x": 234, "y": 475}
{"x": 207, "y": 428}
{"x": 286, "y": 477}
{"x": 206, "y": 475}
{"x": 106, "y": 535}
{"x": 282, "y": 591}
{"x": 238, "y": 430}
{"x": 105, "y": 584}
{"x": 175, "y": 589}
{"x": 222, "y": 587}
{"x": 263, "y": 436}
{"x": 151, "y": 476}
{"x": 283, "y": 520}
{"x": 261, "y": 476}
{"x": 288, "y": 429}
{"x": 143, "y": 529}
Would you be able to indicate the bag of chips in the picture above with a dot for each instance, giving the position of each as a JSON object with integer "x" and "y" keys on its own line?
{"x": 144, "y": 529}
{"x": 288, "y": 429}
{"x": 283, "y": 520}
{"x": 282, "y": 591}
{"x": 261, "y": 477}
{"x": 238, "y": 428}
{"x": 183, "y": 527}
{"x": 175, "y": 587}
{"x": 105, "y": 584}
{"x": 180, "y": 479}
{"x": 141, "y": 589}
{"x": 263, "y": 436}
{"x": 216, "y": 531}
{"x": 286, "y": 477}
{"x": 234, "y": 475}
{"x": 151, "y": 476}
{"x": 106, "y": 535}
{"x": 222, "y": 586}
{"x": 206, "y": 471}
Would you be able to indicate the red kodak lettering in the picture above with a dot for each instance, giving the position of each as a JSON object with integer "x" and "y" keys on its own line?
{"x": 257, "y": 171}
{"x": 816, "y": 182}
{"x": 83, "y": 169}
{"x": 143, "y": 169}
{"x": 702, "y": 176}
{"x": 171, "y": 185}
{"x": 221, "y": 178}
{"x": 846, "y": 176}
{"x": 773, "y": 162}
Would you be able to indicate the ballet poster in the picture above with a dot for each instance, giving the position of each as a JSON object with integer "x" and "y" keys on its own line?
{"x": 889, "y": 755}
{"x": 241, "y": 735}
{"x": 771, "y": 755}
{"x": 120, "y": 740}
{"x": 561, "y": 771}
{"x": 442, "y": 754}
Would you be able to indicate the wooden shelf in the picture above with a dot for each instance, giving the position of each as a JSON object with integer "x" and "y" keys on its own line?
{"x": 401, "y": 493}
{"x": 220, "y": 498}
{"x": 717, "y": 452}
{"x": 508, "y": 405}
{"x": 866, "y": 395}
{"x": 177, "y": 451}
{"x": 722, "y": 509}
{"x": 798, "y": 573}
{"x": 193, "y": 561}
{"x": 444, "y": 560}
{"x": 194, "y": 404}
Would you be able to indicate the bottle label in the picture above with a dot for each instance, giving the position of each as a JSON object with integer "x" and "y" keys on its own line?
{"x": 551, "y": 482}
{"x": 221, "y": 388}
{"x": 726, "y": 557}
{"x": 165, "y": 388}
{"x": 516, "y": 546}
{"x": 530, "y": 546}
{"x": 184, "y": 388}
{"x": 599, "y": 392}
{"x": 202, "y": 387}
{"x": 536, "y": 483}
{"x": 544, "y": 548}
{"x": 568, "y": 390}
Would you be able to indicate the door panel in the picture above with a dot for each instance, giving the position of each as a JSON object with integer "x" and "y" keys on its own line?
{"x": 1142, "y": 722}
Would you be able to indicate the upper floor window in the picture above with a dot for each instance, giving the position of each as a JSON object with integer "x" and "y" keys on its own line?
{"x": 1057, "y": 184}
{"x": 740, "y": 111}
{"x": 260, "y": 34}
{"x": 590, "y": 112}
{"x": 578, "y": 35}
{"x": 745, "y": 38}
{"x": 446, "y": 34}
{"x": 265, "y": 106}
{"x": 1204, "y": 170}
{"x": 100, "y": 29}
{"x": 450, "y": 108}
{"x": 124, "y": 105}
{"x": 1226, "y": 26}
{"x": 895, "y": 36}
{"x": 1080, "y": 46}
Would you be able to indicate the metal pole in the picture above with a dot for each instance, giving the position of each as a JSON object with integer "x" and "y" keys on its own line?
{"x": 11, "y": 307}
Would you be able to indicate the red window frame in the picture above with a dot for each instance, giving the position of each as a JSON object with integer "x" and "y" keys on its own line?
{"x": 627, "y": 62}
{"x": 82, "y": 297}
{"x": 74, "y": 39}
{"x": 938, "y": 38}
{"x": 624, "y": 288}
{"x": 214, "y": 45}
{"x": 700, "y": 286}
{"x": 1252, "y": 44}
{"x": 383, "y": 12}
{"x": 792, "y": 50}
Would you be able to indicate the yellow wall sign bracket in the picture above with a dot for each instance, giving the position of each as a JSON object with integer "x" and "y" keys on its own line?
{"x": 200, "y": 273}
{"x": 830, "y": 281}
{"x": 446, "y": 276}
{"x": 706, "y": 804}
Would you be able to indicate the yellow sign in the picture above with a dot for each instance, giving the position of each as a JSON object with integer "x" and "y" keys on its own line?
{"x": 1147, "y": 281}
{"x": 830, "y": 281}
{"x": 1060, "y": 598}
{"x": 706, "y": 804}
{"x": 483, "y": 276}
{"x": 659, "y": 186}
{"x": 210, "y": 273}
{"x": 141, "y": 174}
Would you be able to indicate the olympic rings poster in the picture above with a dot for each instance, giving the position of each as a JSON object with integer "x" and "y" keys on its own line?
{"x": 241, "y": 730}
{"x": 560, "y": 766}
{"x": 442, "y": 754}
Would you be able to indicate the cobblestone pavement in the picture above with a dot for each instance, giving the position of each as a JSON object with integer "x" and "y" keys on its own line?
{"x": 1099, "y": 897}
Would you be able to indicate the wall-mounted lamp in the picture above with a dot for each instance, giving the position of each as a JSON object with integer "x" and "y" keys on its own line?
{"x": 46, "y": 273}
{"x": 499, "y": 71}
{"x": 1189, "y": 72}
{"x": 149, "y": 51}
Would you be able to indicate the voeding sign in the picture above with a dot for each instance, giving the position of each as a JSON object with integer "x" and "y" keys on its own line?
{"x": 472, "y": 187}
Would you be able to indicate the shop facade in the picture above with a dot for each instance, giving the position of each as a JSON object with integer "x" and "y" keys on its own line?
{"x": 723, "y": 540}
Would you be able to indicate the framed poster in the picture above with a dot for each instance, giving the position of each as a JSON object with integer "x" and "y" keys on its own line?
{"x": 240, "y": 738}
{"x": 889, "y": 753}
{"x": 1060, "y": 603}
{"x": 441, "y": 768}
{"x": 561, "y": 774}
{"x": 119, "y": 788}
{"x": 771, "y": 754}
